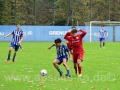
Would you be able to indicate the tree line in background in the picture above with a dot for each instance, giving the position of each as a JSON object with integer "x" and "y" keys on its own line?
{"x": 58, "y": 12}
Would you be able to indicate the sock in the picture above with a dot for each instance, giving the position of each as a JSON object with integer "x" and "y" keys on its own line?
{"x": 75, "y": 69}
{"x": 68, "y": 71}
{"x": 13, "y": 58}
{"x": 103, "y": 44}
{"x": 20, "y": 47}
{"x": 59, "y": 70}
{"x": 8, "y": 56}
{"x": 100, "y": 46}
{"x": 80, "y": 69}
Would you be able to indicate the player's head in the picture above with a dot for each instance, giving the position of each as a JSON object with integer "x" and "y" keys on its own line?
{"x": 102, "y": 26}
{"x": 74, "y": 32}
{"x": 73, "y": 27}
{"x": 18, "y": 26}
{"x": 58, "y": 42}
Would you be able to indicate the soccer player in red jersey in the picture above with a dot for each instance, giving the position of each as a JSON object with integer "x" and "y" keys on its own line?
{"x": 77, "y": 47}
{"x": 67, "y": 40}
{"x": 69, "y": 43}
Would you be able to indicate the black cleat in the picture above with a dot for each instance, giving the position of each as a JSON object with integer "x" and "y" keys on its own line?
{"x": 67, "y": 75}
{"x": 61, "y": 74}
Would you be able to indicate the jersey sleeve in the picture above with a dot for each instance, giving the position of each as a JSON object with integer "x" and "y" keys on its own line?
{"x": 99, "y": 32}
{"x": 66, "y": 37}
{"x": 21, "y": 35}
{"x": 83, "y": 32}
{"x": 66, "y": 49}
{"x": 12, "y": 32}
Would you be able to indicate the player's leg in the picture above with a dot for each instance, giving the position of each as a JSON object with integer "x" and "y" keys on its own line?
{"x": 66, "y": 66}
{"x": 100, "y": 43}
{"x": 9, "y": 52}
{"x": 71, "y": 52}
{"x": 75, "y": 68}
{"x": 79, "y": 67}
{"x": 20, "y": 47}
{"x": 15, "y": 51}
{"x": 75, "y": 63}
{"x": 14, "y": 56}
{"x": 79, "y": 60}
{"x": 103, "y": 42}
{"x": 55, "y": 63}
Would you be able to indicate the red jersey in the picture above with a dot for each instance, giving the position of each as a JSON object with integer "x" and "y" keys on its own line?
{"x": 67, "y": 39}
{"x": 76, "y": 42}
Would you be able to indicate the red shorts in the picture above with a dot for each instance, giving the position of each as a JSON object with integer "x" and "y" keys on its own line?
{"x": 69, "y": 46}
{"x": 77, "y": 56}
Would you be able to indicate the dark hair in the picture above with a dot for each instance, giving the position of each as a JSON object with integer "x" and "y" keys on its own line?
{"x": 58, "y": 40}
{"x": 74, "y": 31}
{"x": 102, "y": 25}
{"x": 73, "y": 27}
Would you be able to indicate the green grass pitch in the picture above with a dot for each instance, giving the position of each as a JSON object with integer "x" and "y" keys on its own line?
{"x": 101, "y": 68}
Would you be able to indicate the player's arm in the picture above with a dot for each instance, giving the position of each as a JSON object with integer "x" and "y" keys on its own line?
{"x": 83, "y": 32}
{"x": 106, "y": 35}
{"x": 67, "y": 35}
{"x": 21, "y": 39}
{"x": 67, "y": 50}
{"x": 69, "y": 54}
{"x": 99, "y": 34}
{"x": 51, "y": 46}
{"x": 7, "y": 35}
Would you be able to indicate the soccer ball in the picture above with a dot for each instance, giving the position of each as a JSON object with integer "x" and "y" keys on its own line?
{"x": 43, "y": 72}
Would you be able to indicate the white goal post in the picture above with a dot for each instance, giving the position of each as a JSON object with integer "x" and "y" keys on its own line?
{"x": 90, "y": 24}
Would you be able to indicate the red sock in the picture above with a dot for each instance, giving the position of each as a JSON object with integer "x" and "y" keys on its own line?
{"x": 75, "y": 69}
{"x": 80, "y": 70}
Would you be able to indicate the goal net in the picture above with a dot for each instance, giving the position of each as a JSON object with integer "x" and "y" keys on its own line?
{"x": 93, "y": 27}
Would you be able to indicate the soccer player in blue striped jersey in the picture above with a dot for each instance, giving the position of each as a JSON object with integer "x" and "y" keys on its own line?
{"x": 102, "y": 35}
{"x": 16, "y": 41}
{"x": 62, "y": 56}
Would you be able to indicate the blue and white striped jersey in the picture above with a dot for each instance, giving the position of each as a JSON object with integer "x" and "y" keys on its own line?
{"x": 102, "y": 33}
{"x": 16, "y": 36}
{"x": 61, "y": 51}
